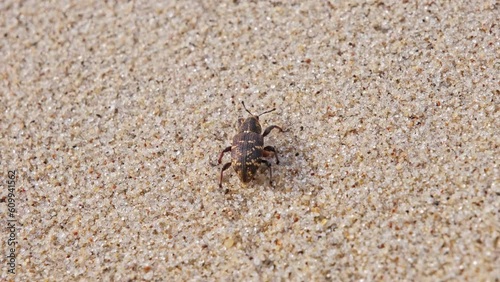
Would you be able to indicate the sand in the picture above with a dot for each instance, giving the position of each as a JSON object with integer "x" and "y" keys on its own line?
{"x": 113, "y": 116}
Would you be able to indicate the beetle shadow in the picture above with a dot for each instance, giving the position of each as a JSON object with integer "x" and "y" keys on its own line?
{"x": 294, "y": 159}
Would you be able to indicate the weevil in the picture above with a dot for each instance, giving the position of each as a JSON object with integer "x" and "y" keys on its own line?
{"x": 248, "y": 148}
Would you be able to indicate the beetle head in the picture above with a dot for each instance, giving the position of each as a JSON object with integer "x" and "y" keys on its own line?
{"x": 252, "y": 123}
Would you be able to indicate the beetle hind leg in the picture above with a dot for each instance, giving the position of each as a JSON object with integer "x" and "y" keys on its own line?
{"x": 269, "y": 151}
{"x": 270, "y": 170}
{"x": 226, "y": 166}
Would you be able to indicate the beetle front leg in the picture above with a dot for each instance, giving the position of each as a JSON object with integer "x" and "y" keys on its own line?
{"x": 270, "y": 170}
{"x": 226, "y": 166}
{"x": 228, "y": 149}
{"x": 268, "y": 151}
{"x": 268, "y": 130}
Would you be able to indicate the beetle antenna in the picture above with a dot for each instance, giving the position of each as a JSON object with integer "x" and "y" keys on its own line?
{"x": 243, "y": 103}
{"x": 274, "y": 109}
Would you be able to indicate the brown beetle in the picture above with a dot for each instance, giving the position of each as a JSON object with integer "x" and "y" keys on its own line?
{"x": 248, "y": 148}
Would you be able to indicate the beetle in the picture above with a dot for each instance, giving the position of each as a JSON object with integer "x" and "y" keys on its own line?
{"x": 248, "y": 148}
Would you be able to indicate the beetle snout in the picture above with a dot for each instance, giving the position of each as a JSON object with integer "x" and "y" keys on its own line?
{"x": 251, "y": 124}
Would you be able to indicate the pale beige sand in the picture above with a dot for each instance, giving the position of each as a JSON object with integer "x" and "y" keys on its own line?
{"x": 114, "y": 116}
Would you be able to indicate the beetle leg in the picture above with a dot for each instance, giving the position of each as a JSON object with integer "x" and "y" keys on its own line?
{"x": 270, "y": 170}
{"x": 268, "y": 130}
{"x": 268, "y": 151}
{"x": 228, "y": 149}
{"x": 226, "y": 166}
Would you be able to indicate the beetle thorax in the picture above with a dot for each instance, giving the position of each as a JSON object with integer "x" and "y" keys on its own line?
{"x": 251, "y": 124}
